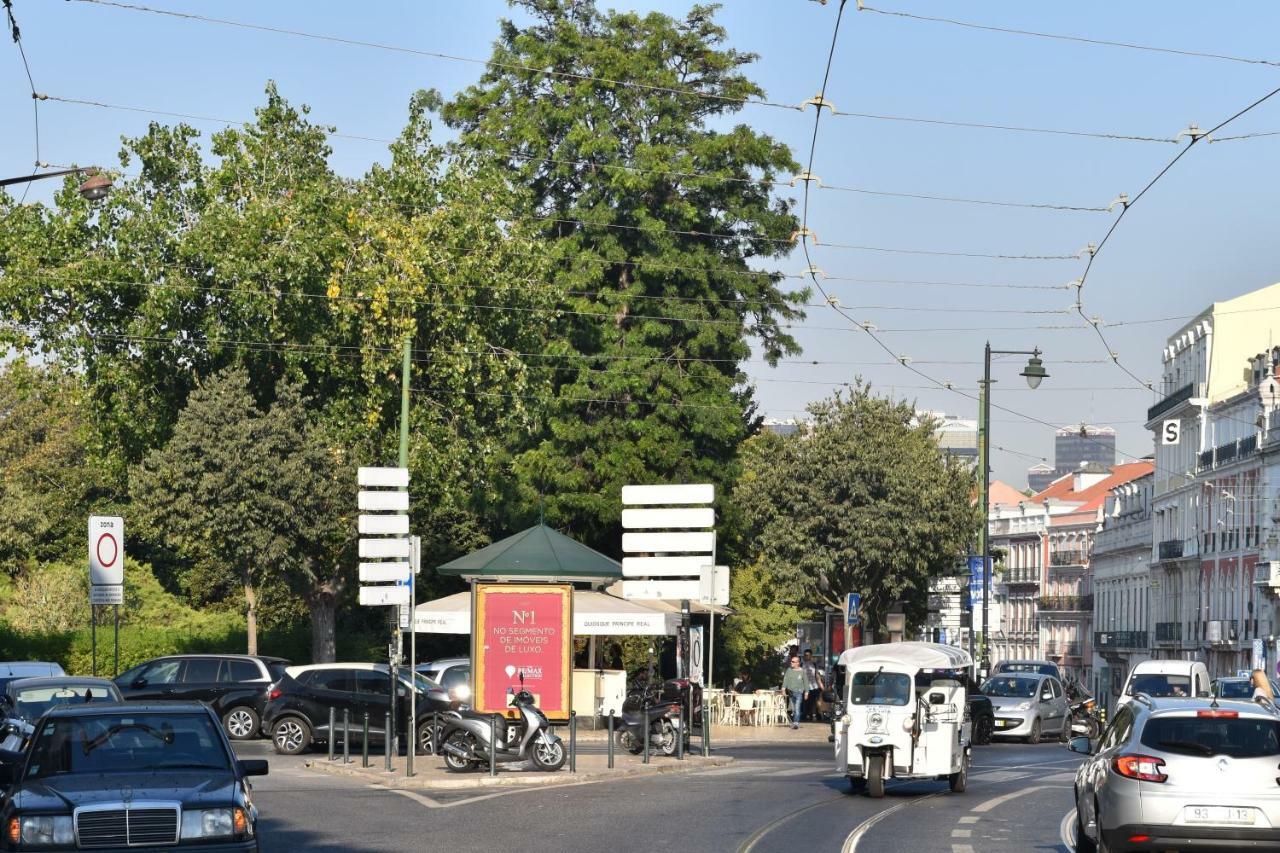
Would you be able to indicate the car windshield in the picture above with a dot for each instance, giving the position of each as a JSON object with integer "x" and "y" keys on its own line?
{"x": 1034, "y": 668}
{"x": 1236, "y": 688}
{"x": 32, "y": 703}
{"x": 1160, "y": 684}
{"x": 1236, "y": 737}
{"x": 1014, "y": 686}
{"x": 880, "y": 688}
{"x": 420, "y": 681}
{"x": 131, "y": 742}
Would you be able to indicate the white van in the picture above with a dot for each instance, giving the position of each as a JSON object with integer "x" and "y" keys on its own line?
{"x": 1170, "y": 678}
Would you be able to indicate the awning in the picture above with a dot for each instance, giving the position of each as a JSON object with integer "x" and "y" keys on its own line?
{"x": 538, "y": 552}
{"x": 594, "y": 614}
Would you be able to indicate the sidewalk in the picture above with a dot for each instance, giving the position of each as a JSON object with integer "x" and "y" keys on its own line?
{"x": 430, "y": 772}
{"x": 807, "y": 733}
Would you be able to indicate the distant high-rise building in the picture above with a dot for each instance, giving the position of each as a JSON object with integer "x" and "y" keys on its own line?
{"x": 956, "y": 436}
{"x": 1039, "y": 476}
{"x": 1078, "y": 445}
{"x": 781, "y": 427}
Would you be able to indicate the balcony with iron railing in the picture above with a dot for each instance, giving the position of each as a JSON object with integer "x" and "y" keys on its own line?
{"x": 1170, "y": 549}
{"x": 1168, "y": 632}
{"x": 1232, "y": 451}
{"x": 1116, "y": 640}
{"x": 1068, "y": 557}
{"x": 1066, "y": 603}
{"x": 1175, "y": 398}
{"x": 1058, "y": 649}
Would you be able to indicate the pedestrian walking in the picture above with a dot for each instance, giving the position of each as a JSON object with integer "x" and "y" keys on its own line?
{"x": 795, "y": 684}
{"x": 1262, "y": 688}
{"x": 813, "y": 686}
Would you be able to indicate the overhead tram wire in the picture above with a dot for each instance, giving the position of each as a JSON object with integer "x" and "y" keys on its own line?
{"x": 16, "y": 33}
{"x": 430, "y": 54}
{"x": 972, "y": 25}
{"x": 777, "y": 183}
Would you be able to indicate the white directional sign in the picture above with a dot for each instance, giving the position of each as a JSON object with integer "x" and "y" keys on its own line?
{"x": 663, "y": 519}
{"x": 106, "y": 550}
{"x": 656, "y": 590}
{"x": 669, "y": 538}
{"x": 702, "y": 542}
{"x": 377, "y": 596}
{"x": 713, "y": 585}
{"x": 392, "y": 549}
{"x": 696, "y": 493}
{"x": 663, "y": 567}
{"x": 382, "y": 501}
{"x": 384, "y": 525}
{"x": 384, "y": 572}
{"x": 385, "y": 478}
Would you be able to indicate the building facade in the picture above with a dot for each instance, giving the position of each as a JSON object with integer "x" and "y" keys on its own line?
{"x": 1120, "y": 564}
{"x": 1084, "y": 444}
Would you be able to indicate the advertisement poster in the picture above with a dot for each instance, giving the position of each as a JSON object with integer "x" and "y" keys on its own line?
{"x": 523, "y": 629}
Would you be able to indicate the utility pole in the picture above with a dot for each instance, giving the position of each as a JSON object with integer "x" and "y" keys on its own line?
{"x": 397, "y": 639}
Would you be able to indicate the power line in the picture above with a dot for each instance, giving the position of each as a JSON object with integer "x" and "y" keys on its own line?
{"x": 487, "y": 63}
{"x": 35, "y": 104}
{"x": 1126, "y": 137}
{"x": 1070, "y": 38}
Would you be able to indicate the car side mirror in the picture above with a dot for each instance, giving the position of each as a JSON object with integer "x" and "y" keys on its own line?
{"x": 253, "y": 766}
{"x": 1082, "y": 745}
{"x": 937, "y": 699}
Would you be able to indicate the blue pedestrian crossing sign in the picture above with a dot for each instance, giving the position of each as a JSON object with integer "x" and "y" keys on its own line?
{"x": 853, "y": 610}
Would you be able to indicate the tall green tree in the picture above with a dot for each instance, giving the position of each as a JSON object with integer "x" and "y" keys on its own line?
{"x": 646, "y": 359}
{"x": 254, "y": 494}
{"x": 862, "y": 501}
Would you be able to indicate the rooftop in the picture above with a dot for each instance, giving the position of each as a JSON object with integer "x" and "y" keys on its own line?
{"x": 1095, "y": 494}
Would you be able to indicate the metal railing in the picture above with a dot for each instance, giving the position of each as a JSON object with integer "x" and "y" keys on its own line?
{"x": 1067, "y": 603}
{"x": 1170, "y": 549}
{"x": 1120, "y": 639}
{"x": 1168, "y": 632}
{"x": 1070, "y": 649}
{"x": 1180, "y": 396}
{"x": 1229, "y": 452}
{"x": 1071, "y": 557}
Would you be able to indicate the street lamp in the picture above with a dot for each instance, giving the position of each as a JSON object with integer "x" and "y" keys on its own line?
{"x": 95, "y": 187}
{"x": 1034, "y": 373}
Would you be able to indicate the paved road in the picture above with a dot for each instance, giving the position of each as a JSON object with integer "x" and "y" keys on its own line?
{"x": 775, "y": 797}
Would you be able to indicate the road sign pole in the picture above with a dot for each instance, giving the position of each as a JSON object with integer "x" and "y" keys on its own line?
{"x": 93, "y": 638}
{"x": 117, "y": 664}
{"x": 404, "y": 463}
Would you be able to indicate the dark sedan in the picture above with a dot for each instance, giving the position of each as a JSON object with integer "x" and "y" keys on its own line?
{"x": 119, "y": 776}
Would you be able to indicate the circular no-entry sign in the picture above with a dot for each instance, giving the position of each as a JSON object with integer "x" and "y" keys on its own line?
{"x": 107, "y": 549}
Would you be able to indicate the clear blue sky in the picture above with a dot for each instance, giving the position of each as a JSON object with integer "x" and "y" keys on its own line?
{"x": 1205, "y": 233}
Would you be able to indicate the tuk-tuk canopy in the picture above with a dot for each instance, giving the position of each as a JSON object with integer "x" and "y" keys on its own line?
{"x": 906, "y": 656}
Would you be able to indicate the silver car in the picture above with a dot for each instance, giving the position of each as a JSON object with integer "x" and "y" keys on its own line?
{"x": 1185, "y": 773}
{"x": 1027, "y": 705}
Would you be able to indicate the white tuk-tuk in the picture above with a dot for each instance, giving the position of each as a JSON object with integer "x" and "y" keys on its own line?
{"x": 905, "y": 715}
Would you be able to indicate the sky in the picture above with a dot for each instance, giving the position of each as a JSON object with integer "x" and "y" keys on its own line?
{"x": 1204, "y": 233}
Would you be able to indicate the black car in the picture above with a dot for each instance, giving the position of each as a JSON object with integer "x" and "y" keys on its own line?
{"x": 297, "y": 711}
{"x": 118, "y": 776}
{"x": 235, "y": 686}
{"x": 25, "y": 700}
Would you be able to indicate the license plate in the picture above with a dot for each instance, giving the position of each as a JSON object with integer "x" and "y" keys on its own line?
{"x": 1219, "y": 814}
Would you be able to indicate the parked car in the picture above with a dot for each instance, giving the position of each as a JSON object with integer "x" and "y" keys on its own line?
{"x": 1238, "y": 687}
{"x": 235, "y": 686}
{"x": 1034, "y": 667}
{"x": 453, "y": 674}
{"x": 1029, "y": 706}
{"x": 25, "y": 700}
{"x": 9, "y": 670}
{"x": 117, "y": 776}
{"x": 297, "y": 710}
{"x": 1170, "y": 678}
{"x": 1174, "y": 773}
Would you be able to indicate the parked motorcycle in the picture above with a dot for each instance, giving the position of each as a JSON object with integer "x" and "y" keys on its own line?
{"x": 1086, "y": 718}
{"x": 466, "y": 737}
{"x": 661, "y": 716}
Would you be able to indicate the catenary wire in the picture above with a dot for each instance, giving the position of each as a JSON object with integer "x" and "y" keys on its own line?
{"x": 16, "y": 33}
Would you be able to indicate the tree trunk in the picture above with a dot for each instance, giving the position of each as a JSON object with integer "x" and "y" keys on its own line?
{"x": 251, "y": 614}
{"x": 323, "y": 629}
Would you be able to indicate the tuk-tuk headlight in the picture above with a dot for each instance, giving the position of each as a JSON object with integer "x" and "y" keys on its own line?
{"x": 845, "y": 719}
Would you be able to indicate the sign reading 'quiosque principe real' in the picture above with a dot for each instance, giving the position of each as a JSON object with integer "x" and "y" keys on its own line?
{"x": 523, "y": 629}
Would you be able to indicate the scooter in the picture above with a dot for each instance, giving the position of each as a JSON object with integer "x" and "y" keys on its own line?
{"x": 466, "y": 734}
{"x": 661, "y": 716}
{"x": 1085, "y": 718}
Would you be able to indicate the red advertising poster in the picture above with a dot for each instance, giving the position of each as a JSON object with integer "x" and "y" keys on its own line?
{"x": 523, "y": 629}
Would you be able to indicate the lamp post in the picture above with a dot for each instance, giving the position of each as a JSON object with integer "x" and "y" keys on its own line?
{"x": 95, "y": 187}
{"x": 1034, "y": 373}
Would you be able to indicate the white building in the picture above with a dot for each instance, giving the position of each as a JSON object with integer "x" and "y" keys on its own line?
{"x": 1121, "y": 567}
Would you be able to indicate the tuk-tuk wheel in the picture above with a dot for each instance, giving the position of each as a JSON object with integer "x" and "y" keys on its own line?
{"x": 875, "y": 777}
{"x": 960, "y": 779}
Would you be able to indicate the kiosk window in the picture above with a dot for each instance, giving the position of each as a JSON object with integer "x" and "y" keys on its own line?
{"x": 880, "y": 688}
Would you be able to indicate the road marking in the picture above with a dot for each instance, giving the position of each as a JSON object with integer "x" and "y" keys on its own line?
{"x": 961, "y": 848}
{"x": 424, "y": 800}
{"x": 1067, "y": 831}
{"x": 968, "y": 819}
{"x": 996, "y": 802}
{"x": 859, "y": 831}
{"x": 995, "y": 776}
{"x": 796, "y": 771}
{"x": 962, "y": 833}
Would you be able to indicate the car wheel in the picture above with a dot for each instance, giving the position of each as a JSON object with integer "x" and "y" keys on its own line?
{"x": 291, "y": 736}
{"x": 983, "y": 729}
{"x": 1034, "y": 737}
{"x": 1065, "y": 734}
{"x": 241, "y": 723}
{"x": 1084, "y": 844}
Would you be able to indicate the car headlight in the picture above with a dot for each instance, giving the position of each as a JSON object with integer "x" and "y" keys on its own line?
{"x": 215, "y": 823}
{"x": 1023, "y": 706}
{"x": 44, "y": 830}
{"x": 462, "y": 692}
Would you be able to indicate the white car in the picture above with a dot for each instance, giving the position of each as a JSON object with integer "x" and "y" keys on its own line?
{"x": 1180, "y": 679}
{"x": 453, "y": 674}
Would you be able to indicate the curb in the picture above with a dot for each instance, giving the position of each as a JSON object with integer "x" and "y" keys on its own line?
{"x": 516, "y": 779}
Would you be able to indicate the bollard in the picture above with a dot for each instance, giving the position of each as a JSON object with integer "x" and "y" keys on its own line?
{"x": 493, "y": 745}
{"x": 386, "y": 741}
{"x": 333, "y": 730}
{"x": 610, "y": 739}
{"x": 364, "y": 742}
{"x": 346, "y": 735}
{"x": 573, "y": 741}
{"x": 435, "y": 733}
{"x": 411, "y": 749}
{"x": 706, "y": 731}
{"x": 680, "y": 733}
{"x": 645, "y": 720}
